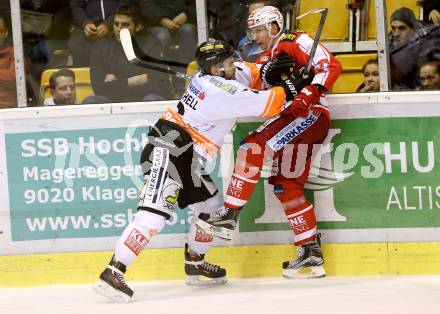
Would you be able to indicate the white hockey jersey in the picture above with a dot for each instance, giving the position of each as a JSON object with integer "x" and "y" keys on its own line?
{"x": 210, "y": 106}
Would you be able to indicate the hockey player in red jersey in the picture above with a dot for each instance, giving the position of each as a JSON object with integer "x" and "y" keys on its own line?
{"x": 289, "y": 139}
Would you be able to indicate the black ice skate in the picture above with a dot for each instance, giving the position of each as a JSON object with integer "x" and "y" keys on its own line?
{"x": 112, "y": 283}
{"x": 201, "y": 272}
{"x": 221, "y": 223}
{"x": 308, "y": 263}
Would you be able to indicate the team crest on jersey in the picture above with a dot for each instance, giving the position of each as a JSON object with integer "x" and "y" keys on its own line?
{"x": 226, "y": 87}
{"x": 265, "y": 59}
{"x": 322, "y": 66}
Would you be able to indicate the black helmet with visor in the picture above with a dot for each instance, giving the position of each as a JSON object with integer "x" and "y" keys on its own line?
{"x": 212, "y": 53}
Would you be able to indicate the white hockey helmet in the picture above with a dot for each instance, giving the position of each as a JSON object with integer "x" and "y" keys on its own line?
{"x": 266, "y": 16}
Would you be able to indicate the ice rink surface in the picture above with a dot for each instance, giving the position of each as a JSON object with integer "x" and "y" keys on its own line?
{"x": 381, "y": 294}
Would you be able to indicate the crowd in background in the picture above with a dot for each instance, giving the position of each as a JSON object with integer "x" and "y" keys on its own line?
{"x": 414, "y": 48}
{"x": 60, "y": 34}
{"x": 413, "y": 45}
{"x": 78, "y": 33}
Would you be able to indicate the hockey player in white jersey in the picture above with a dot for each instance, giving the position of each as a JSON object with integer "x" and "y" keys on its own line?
{"x": 172, "y": 162}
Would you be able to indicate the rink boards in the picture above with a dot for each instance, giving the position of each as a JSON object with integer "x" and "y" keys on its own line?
{"x": 70, "y": 179}
{"x": 239, "y": 261}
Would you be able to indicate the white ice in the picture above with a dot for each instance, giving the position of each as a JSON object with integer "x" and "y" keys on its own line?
{"x": 381, "y": 294}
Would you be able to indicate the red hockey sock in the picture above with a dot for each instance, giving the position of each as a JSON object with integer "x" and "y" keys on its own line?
{"x": 302, "y": 220}
{"x": 298, "y": 210}
{"x": 239, "y": 190}
{"x": 246, "y": 175}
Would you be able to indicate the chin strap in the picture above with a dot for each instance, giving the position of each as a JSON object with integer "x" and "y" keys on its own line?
{"x": 272, "y": 37}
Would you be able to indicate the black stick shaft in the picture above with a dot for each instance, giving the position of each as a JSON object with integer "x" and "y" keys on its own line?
{"x": 136, "y": 56}
{"x": 147, "y": 65}
{"x": 317, "y": 37}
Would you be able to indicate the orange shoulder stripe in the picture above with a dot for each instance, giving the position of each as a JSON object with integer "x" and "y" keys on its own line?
{"x": 275, "y": 103}
{"x": 255, "y": 73}
{"x": 207, "y": 144}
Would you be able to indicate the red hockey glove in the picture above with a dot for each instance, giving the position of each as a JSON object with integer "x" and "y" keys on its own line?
{"x": 302, "y": 103}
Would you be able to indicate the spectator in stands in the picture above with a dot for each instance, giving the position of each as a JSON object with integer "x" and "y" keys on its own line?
{"x": 93, "y": 20}
{"x": 406, "y": 38}
{"x": 62, "y": 88}
{"x": 403, "y": 24}
{"x": 8, "y": 92}
{"x": 431, "y": 11}
{"x": 45, "y": 25}
{"x": 227, "y": 20}
{"x": 173, "y": 23}
{"x": 371, "y": 77}
{"x": 430, "y": 75}
{"x": 113, "y": 78}
{"x": 249, "y": 49}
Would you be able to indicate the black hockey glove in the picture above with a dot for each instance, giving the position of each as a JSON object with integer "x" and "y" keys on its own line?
{"x": 295, "y": 83}
{"x": 301, "y": 80}
{"x": 271, "y": 71}
{"x": 289, "y": 88}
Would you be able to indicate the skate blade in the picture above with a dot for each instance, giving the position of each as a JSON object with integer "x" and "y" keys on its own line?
{"x": 224, "y": 233}
{"x": 304, "y": 273}
{"x": 220, "y": 232}
{"x": 108, "y": 291}
{"x": 197, "y": 281}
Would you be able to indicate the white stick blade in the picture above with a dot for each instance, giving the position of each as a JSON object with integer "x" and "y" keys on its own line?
{"x": 317, "y": 10}
{"x": 127, "y": 45}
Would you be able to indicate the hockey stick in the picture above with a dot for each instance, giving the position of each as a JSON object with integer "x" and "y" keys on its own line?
{"x": 323, "y": 12}
{"x": 141, "y": 55}
{"x": 135, "y": 56}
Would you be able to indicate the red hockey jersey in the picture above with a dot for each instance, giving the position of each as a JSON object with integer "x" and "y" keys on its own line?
{"x": 325, "y": 66}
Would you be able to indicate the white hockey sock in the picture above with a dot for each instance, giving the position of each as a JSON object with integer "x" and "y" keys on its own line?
{"x": 137, "y": 235}
{"x": 198, "y": 240}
